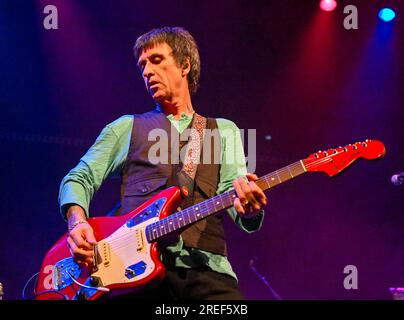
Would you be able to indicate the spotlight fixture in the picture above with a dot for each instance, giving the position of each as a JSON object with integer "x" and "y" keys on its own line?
{"x": 386, "y": 14}
{"x": 328, "y": 5}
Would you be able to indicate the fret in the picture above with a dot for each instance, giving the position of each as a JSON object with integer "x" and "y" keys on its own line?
{"x": 303, "y": 166}
{"x": 196, "y": 213}
{"x": 283, "y": 175}
{"x": 277, "y": 175}
{"x": 187, "y": 213}
{"x": 170, "y": 224}
{"x": 213, "y": 204}
{"x": 217, "y": 203}
{"x": 181, "y": 219}
{"x": 263, "y": 183}
{"x": 161, "y": 227}
{"x": 268, "y": 184}
{"x": 272, "y": 179}
{"x": 174, "y": 219}
{"x": 199, "y": 212}
{"x": 151, "y": 235}
{"x": 156, "y": 230}
{"x": 148, "y": 234}
{"x": 205, "y": 208}
{"x": 229, "y": 198}
{"x": 290, "y": 171}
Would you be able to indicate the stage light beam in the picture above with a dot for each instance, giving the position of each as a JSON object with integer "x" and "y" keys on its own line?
{"x": 386, "y": 14}
{"x": 328, "y": 5}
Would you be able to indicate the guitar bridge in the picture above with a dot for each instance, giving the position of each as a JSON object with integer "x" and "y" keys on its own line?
{"x": 61, "y": 277}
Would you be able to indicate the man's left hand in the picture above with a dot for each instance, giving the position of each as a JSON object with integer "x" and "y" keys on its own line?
{"x": 250, "y": 198}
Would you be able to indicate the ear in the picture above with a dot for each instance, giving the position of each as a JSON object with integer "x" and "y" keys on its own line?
{"x": 186, "y": 67}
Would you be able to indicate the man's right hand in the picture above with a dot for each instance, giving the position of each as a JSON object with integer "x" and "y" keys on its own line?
{"x": 80, "y": 240}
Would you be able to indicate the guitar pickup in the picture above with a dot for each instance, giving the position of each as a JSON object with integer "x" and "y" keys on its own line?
{"x": 139, "y": 240}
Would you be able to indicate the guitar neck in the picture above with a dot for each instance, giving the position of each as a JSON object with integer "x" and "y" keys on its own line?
{"x": 220, "y": 202}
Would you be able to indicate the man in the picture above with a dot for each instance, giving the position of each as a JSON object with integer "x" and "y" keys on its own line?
{"x": 197, "y": 266}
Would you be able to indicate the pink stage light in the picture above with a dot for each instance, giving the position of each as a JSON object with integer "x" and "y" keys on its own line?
{"x": 328, "y": 5}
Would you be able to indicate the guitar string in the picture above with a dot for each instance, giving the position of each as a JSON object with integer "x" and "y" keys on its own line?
{"x": 207, "y": 208}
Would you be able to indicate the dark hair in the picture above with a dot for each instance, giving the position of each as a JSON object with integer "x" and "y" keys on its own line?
{"x": 183, "y": 45}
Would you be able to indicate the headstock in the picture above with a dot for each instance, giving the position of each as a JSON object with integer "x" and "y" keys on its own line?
{"x": 335, "y": 160}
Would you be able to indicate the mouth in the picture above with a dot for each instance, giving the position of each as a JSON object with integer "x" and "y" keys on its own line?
{"x": 152, "y": 84}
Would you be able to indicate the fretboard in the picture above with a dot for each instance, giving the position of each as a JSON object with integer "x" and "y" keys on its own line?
{"x": 220, "y": 202}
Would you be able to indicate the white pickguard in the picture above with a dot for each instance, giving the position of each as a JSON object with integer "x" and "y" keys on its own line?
{"x": 124, "y": 248}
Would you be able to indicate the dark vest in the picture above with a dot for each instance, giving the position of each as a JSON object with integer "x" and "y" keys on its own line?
{"x": 142, "y": 179}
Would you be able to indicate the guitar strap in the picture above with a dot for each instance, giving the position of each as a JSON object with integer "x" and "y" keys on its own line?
{"x": 186, "y": 176}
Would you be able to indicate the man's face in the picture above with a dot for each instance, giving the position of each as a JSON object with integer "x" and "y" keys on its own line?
{"x": 163, "y": 77}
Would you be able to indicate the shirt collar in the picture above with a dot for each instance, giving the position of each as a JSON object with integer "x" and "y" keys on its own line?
{"x": 170, "y": 117}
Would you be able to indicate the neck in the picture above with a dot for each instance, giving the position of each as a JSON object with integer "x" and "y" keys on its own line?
{"x": 178, "y": 106}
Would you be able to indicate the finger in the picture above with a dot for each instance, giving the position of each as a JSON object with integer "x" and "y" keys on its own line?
{"x": 258, "y": 193}
{"x": 251, "y": 176}
{"x": 78, "y": 236}
{"x": 239, "y": 190}
{"x": 89, "y": 236}
{"x": 239, "y": 208}
{"x": 83, "y": 260}
{"x": 78, "y": 252}
{"x": 249, "y": 195}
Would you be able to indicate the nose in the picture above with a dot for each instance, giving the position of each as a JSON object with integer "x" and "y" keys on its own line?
{"x": 147, "y": 71}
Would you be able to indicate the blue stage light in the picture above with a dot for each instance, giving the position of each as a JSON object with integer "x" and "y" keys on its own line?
{"x": 387, "y": 14}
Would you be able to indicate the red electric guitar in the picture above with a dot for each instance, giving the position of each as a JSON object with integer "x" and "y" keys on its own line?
{"x": 126, "y": 256}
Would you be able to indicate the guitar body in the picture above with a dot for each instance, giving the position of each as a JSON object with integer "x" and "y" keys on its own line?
{"x": 125, "y": 260}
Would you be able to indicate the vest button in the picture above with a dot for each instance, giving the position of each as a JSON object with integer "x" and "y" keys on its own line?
{"x": 144, "y": 190}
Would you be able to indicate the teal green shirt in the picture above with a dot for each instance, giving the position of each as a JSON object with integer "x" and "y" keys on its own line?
{"x": 107, "y": 155}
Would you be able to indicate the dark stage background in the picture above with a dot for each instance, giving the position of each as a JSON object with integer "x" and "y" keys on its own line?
{"x": 285, "y": 68}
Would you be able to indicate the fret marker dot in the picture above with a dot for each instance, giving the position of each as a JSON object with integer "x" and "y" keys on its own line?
{"x": 162, "y": 227}
{"x": 171, "y": 222}
{"x": 217, "y": 202}
{"x": 273, "y": 179}
{"x": 196, "y": 208}
{"x": 180, "y": 219}
{"x": 198, "y": 215}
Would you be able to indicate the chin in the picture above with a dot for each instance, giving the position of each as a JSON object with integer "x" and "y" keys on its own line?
{"x": 159, "y": 97}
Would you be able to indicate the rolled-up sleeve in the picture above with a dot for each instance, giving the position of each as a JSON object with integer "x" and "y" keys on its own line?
{"x": 233, "y": 165}
{"x": 104, "y": 158}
